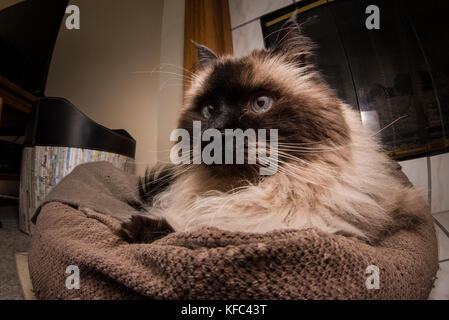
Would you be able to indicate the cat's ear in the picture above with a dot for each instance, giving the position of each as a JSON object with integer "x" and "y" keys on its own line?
{"x": 292, "y": 43}
{"x": 205, "y": 55}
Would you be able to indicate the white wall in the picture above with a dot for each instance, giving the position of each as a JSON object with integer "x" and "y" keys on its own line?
{"x": 245, "y": 23}
{"x": 431, "y": 174}
{"x": 104, "y": 68}
{"x": 172, "y": 61}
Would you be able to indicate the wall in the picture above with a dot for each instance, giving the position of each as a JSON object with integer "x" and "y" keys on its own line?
{"x": 103, "y": 68}
{"x": 432, "y": 175}
{"x": 245, "y": 24}
{"x": 7, "y": 3}
{"x": 170, "y": 89}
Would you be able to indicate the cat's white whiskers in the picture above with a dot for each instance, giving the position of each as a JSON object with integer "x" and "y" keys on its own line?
{"x": 290, "y": 172}
{"x": 193, "y": 74}
{"x": 294, "y": 147}
{"x": 389, "y": 125}
{"x": 165, "y": 177}
{"x": 164, "y": 64}
{"x": 165, "y": 83}
{"x": 179, "y": 75}
{"x": 309, "y": 164}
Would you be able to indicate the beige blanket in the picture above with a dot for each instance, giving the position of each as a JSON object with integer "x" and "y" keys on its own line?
{"x": 75, "y": 227}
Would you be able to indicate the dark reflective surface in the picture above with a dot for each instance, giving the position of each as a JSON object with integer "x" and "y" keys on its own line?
{"x": 397, "y": 76}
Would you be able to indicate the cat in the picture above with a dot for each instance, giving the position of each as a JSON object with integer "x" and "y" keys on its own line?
{"x": 330, "y": 174}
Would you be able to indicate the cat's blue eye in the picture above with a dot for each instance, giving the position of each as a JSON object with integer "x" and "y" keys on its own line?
{"x": 261, "y": 103}
{"x": 207, "y": 111}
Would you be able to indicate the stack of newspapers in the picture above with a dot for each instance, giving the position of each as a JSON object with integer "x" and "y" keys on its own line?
{"x": 43, "y": 167}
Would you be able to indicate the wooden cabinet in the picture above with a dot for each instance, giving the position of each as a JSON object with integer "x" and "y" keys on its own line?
{"x": 15, "y": 105}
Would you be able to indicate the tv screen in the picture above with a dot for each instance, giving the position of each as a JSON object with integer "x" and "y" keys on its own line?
{"x": 28, "y": 32}
{"x": 396, "y": 76}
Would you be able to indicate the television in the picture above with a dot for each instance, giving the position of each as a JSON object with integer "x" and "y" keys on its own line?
{"x": 28, "y": 32}
{"x": 397, "y": 76}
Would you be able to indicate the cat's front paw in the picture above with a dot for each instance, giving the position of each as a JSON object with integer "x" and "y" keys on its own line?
{"x": 144, "y": 230}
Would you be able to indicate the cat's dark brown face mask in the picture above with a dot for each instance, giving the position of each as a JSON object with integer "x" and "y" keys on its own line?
{"x": 268, "y": 89}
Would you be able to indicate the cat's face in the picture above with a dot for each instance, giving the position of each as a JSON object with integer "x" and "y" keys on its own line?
{"x": 268, "y": 89}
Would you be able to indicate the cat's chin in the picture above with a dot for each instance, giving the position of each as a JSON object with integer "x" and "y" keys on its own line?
{"x": 233, "y": 175}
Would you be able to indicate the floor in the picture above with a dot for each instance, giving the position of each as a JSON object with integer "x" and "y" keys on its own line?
{"x": 441, "y": 290}
{"x": 12, "y": 241}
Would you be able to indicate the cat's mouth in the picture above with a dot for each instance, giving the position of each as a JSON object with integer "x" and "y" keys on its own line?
{"x": 235, "y": 163}
{"x": 233, "y": 172}
{"x": 234, "y": 150}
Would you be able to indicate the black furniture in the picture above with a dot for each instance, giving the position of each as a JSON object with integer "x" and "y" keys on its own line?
{"x": 57, "y": 122}
{"x": 59, "y": 137}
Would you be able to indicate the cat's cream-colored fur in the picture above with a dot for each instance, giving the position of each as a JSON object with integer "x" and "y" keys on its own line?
{"x": 362, "y": 198}
{"x": 349, "y": 189}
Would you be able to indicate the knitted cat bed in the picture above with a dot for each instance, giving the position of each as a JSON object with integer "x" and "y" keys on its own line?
{"x": 75, "y": 227}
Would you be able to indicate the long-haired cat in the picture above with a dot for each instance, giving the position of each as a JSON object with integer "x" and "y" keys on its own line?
{"x": 330, "y": 172}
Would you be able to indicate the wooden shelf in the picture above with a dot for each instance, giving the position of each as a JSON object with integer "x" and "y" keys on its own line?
{"x": 5, "y": 83}
{"x": 9, "y": 176}
{"x": 15, "y": 105}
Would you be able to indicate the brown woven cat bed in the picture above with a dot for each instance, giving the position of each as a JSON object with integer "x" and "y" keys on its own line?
{"x": 209, "y": 263}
